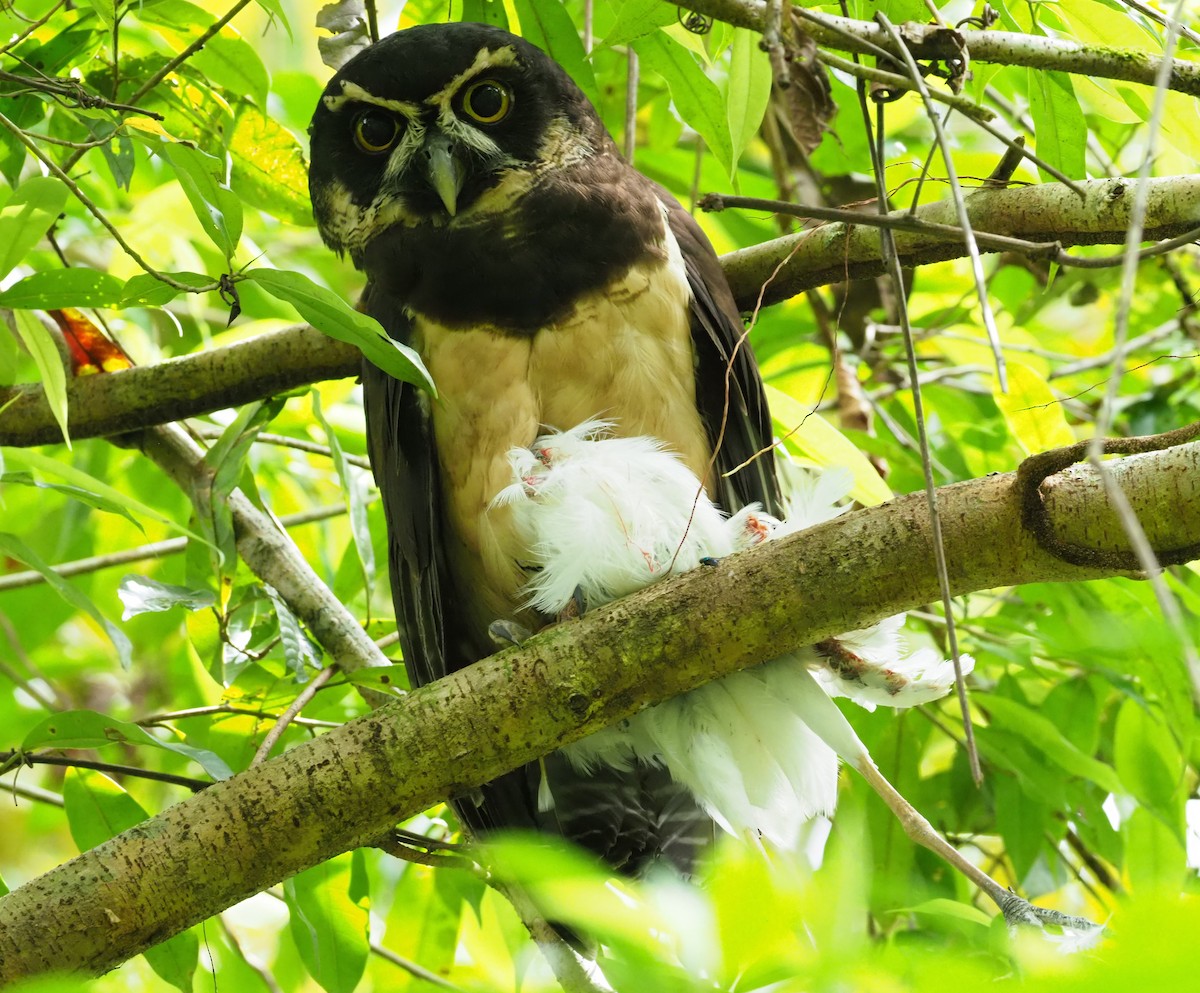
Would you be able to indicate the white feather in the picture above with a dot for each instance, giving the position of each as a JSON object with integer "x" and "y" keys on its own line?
{"x": 605, "y": 516}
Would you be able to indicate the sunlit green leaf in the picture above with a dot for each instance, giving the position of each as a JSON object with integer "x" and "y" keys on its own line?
{"x": 40, "y": 344}
{"x": 269, "y": 170}
{"x": 1033, "y": 413}
{"x": 696, "y": 97}
{"x": 637, "y": 18}
{"x": 141, "y": 594}
{"x": 58, "y": 288}
{"x": 331, "y": 314}
{"x": 810, "y": 435}
{"x": 10, "y": 544}
{"x": 25, "y": 217}
{"x": 97, "y": 808}
{"x": 549, "y": 26}
{"x": 89, "y": 729}
{"x": 150, "y": 291}
{"x": 1059, "y": 125}
{"x": 746, "y": 92}
{"x": 329, "y": 929}
{"x": 216, "y": 206}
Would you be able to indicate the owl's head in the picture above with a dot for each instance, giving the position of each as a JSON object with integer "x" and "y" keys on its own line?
{"x": 441, "y": 125}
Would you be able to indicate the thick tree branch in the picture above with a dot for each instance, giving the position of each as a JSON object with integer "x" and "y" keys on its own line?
{"x": 831, "y": 253}
{"x": 927, "y": 41}
{"x": 135, "y": 398}
{"x": 347, "y": 787}
{"x": 282, "y": 360}
{"x": 271, "y": 555}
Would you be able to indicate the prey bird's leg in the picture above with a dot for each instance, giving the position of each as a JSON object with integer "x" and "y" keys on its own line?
{"x": 821, "y": 714}
{"x": 1016, "y": 909}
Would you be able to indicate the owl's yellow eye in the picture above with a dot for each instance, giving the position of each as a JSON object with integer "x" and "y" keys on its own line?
{"x": 487, "y": 101}
{"x": 376, "y": 131}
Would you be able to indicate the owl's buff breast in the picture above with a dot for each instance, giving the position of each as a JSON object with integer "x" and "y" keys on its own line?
{"x": 623, "y": 354}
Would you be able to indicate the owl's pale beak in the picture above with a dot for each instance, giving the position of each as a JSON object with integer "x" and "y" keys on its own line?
{"x": 444, "y": 171}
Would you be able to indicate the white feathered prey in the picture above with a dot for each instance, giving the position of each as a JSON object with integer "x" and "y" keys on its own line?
{"x": 603, "y": 516}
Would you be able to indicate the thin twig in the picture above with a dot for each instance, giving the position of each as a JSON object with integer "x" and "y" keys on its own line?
{"x": 153, "y": 550}
{"x": 631, "y": 104}
{"x": 412, "y": 968}
{"x": 964, "y": 105}
{"x": 29, "y": 758}
{"x": 892, "y": 261}
{"x": 32, "y": 793}
{"x": 1129, "y": 522}
{"x": 224, "y": 708}
{"x": 1162, "y": 20}
{"x": 284, "y": 441}
{"x": 281, "y": 725}
{"x": 964, "y": 220}
{"x": 33, "y": 26}
{"x": 95, "y": 211}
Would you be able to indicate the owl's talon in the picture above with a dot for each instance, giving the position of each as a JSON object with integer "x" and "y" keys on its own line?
{"x": 505, "y": 633}
{"x": 576, "y": 606}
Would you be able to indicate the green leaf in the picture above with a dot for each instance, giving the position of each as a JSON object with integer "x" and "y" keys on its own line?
{"x": 275, "y": 9}
{"x": 746, "y": 92}
{"x": 697, "y": 98}
{"x": 638, "y": 18}
{"x": 150, "y": 291}
{"x": 97, "y": 808}
{"x": 329, "y": 313}
{"x": 11, "y": 545}
{"x": 269, "y": 170}
{"x": 106, "y": 10}
{"x": 142, "y": 595}
{"x": 354, "y": 491}
{"x": 93, "y": 500}
{"x": 89, "y": 729}
{"x": 298, "y": 651}
{"x": 954, "y": 909}
{"x": 1155, "y": 855}
{"x": 26, "y": 216}
{"x": 1147, "y": 757}
{"x": 215, "y": 205}
{"x": 40, "y": 344}
{"x": 1058, "y": 122}
{"x": 549, "y": 26}
{"x": 30, "y": 459}
{"x": 60, "y": 288}
{"x": 329, "y": 928}
{"x": 175, "y": 960}
{"x": 231, "y": 62}
{"x": 1040, "y": 733}
{"x": 227, "y": 459}
{"x": 485, "y": 12}
{"x": 1034, "y": 415}
{"x": 808, "y": 434}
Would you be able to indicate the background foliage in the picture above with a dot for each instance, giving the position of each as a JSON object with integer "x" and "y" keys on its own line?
{"x": 1081, "y": 696}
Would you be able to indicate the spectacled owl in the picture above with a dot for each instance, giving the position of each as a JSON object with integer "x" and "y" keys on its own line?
{"x": 544, "y": 282}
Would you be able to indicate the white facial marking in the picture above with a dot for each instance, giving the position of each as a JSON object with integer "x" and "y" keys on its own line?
{"x": 353, "y": 93}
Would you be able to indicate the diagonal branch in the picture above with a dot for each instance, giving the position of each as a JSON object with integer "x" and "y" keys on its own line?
{"x": 927, "y": 41}
{"x": 347, "y": 787}
{"x": 830, "y": 253}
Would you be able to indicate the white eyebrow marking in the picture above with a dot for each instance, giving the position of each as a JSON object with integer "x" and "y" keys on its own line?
{"x": 353, "y": 93}
{"x": 486, "y": 59}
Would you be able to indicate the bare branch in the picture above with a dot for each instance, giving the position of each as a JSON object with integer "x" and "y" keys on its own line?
{"x": 347, "y": 787}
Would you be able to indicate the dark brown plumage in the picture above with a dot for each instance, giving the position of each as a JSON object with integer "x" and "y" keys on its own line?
{"x": 544, "y": 282}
